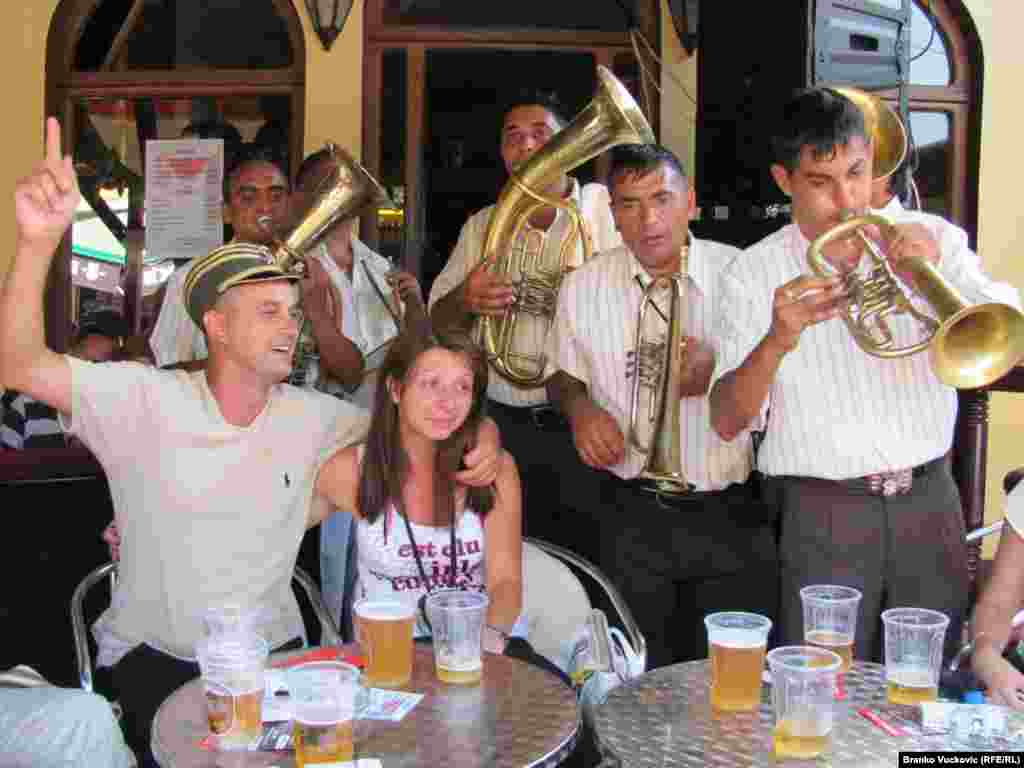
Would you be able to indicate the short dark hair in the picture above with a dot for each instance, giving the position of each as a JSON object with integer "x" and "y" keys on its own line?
{"x": 641, "y": 159}
{"x": 818, "y": 118}
{"x": 106, "y": 323}
{"x": 248, "y": 154}
{"x": 213, "y": 129}
{"x": 535, "y": 97}
{"x": 310, "y": 164}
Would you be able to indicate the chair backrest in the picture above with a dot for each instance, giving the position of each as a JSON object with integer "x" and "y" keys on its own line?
{"x": 554, "y": 602}
{"x": 80, "y": 632}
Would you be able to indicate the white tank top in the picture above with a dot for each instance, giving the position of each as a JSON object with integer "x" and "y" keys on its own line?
{"x": 387, "y": 570}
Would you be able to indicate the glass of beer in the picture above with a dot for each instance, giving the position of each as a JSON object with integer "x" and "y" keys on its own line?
{"x": 384, "y": 629}
{"x": 736, "y": 643}
{"x": 913, "y": 653}
{"x": 326, "y": 698}
{"x": 803, "y": 696}
{"x": 231, "y": 667}
{"x": 830, "y": 619}
{"x": 457, "y": 622}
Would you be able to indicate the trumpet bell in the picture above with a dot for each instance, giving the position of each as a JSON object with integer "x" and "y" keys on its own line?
{"x": 884, "y": 127}
{"x": 978, "y": 345}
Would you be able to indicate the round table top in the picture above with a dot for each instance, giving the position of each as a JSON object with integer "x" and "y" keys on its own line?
{"x": 519, "y": 715}
{"x": 664, "y": 718}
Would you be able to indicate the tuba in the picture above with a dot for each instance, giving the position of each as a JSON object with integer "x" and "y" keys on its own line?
{"x": 342, "y": 194}
{"x": 656, "y": 367}
{"x": 611, "y": 118}
{"x": 971, "y": 345}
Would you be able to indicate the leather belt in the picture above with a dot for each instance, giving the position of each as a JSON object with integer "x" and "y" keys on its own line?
{"x": 544, "y": 416}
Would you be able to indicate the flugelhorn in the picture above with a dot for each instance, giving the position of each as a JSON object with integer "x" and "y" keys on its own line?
{"x": 612, "y": 117}
{"x": 656, "y": 369}
{"x": 971, "y": 345}
{"x": 344, "y": 191}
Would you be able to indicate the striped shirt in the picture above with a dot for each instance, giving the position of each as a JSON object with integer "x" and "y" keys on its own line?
{"x": 595, "y": 329}
{"x": 594, "y": 205}
{"x": 836, "y": 411}
{"x": 28, "y": 423}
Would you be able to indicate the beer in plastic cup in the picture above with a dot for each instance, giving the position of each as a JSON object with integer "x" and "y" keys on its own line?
{"x": 803, "y": 695}
{"x": 384, "y": 628}
{"x": 231, "y": 667}
{"x": 913, "y": 653}
{"x": 457, "y": 622}
{"x": 830, "y": 619}
{"x": 736, "y": 644}
{"x": 326, "y": 697}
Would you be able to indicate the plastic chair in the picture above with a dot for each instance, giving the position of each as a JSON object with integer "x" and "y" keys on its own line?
{"x": 79, "y": 630}
{"x": 556, "y": 604}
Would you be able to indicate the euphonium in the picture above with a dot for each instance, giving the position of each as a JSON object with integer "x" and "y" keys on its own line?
{"x": 611, "y": 118}
{"x": 342, "y": 194}
{"x": 656, "y": 368}
{"x": 971, "y": 345}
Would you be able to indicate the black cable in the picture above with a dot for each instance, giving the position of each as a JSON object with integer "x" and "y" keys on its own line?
{"x": 931, "y": 37}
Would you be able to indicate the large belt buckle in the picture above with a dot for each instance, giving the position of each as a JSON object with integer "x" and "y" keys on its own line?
{"x": 890, "y": 483}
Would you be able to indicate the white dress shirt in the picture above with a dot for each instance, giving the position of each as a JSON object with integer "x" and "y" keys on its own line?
{"x": 365, "y": 320}
{"x": 594, "y": 205}
{"x": 175, "y": 338}
{"x": 836, "y": 411}
{"x": 595, "y": 329}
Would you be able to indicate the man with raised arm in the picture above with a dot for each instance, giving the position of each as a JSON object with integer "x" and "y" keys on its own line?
{"x": 213, "y": 473}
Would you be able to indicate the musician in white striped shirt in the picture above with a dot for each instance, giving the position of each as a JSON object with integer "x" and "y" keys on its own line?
{"x": 674, "y": 558}
{"x": 856, "y": 447}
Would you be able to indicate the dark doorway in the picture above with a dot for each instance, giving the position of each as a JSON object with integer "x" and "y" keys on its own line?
{"x": 466, "y": 93}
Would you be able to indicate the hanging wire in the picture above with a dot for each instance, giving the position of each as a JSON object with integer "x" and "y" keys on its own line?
{"x": 634, "y": 36}
{"x": 931, "y": 38}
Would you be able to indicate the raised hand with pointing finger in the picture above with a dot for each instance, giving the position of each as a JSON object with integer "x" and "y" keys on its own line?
{"x": 45, "y": 200}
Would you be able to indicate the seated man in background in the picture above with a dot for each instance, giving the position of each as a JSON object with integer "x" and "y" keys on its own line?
{"x": 1000, "y": 601}
{"x": 28, "y": 423}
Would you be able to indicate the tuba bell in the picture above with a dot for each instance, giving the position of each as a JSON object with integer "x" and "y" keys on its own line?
{"x": 611, "y": 118}
{"x": 656, "y": 370}
{"x": 971, "y": 345}
{"x": 342, "y": 194}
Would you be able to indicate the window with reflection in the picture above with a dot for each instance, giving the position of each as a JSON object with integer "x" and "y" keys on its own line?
{"x": 931, "y": 133}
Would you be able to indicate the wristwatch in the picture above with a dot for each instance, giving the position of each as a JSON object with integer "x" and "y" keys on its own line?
{"x": 494, "y": 639}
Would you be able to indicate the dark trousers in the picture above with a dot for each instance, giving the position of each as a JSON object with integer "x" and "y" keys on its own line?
{"x": 143, "y": 678}
{"x": 559, "y": 491}
{"x": 899, "y": 551}
{"x": 676, "y": 563}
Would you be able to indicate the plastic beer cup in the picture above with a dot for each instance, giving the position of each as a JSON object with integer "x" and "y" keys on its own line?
{"x": 231, "y": 667}
{"x": 736, "y": 644}
{"x": 913, "y": 653}
{"x": 803, "y": 695}
{"x": 326, "y": 697}
{"x": 830, "y": 619}
{"x": 457, "y": 622}
{"x": 384, "y": 629}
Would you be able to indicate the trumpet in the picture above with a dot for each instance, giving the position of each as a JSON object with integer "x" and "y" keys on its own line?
{"x": 971, "y": 345}
{"x": 656, "y": 369}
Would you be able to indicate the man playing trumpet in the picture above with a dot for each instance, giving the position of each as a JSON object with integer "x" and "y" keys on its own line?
{"x": 676, "y": 556}
{"x": 856, "y": 446}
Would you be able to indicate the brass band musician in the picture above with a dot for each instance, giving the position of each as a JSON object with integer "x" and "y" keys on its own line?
{"x": 855, "y": 446}
{"x": 679, "y": 556}
{"x": 461, "y": 293}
